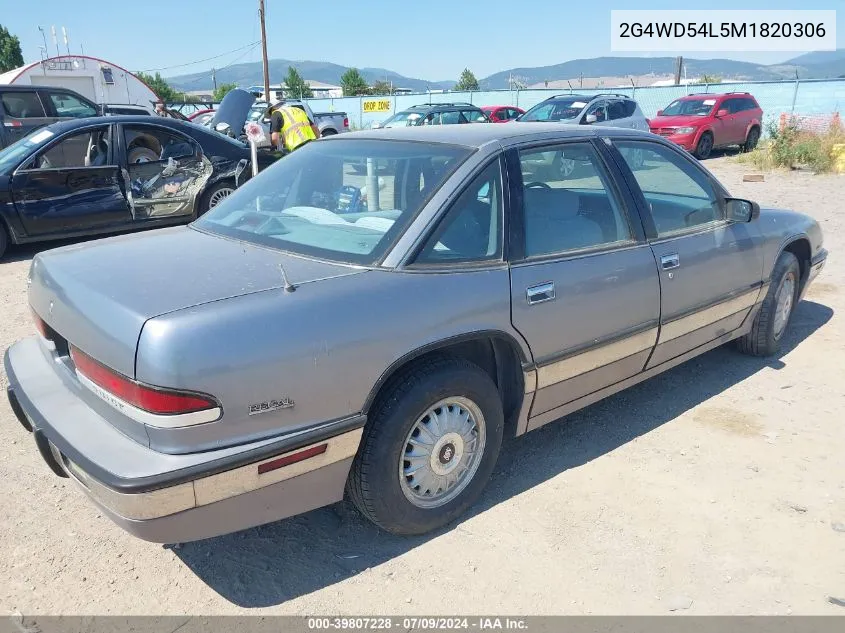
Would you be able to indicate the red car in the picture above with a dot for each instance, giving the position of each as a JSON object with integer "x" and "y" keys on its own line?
{"x": 701, "y": 122}
{"x": 502, "y": 114}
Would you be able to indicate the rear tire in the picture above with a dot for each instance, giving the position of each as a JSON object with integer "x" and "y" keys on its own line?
{"x": 704, "y": 147}
{"x": 428, "y": 448}
{"x": 772, "y": 320}
{"x": 752, "y": 139}
{"x": 328, "y": 132}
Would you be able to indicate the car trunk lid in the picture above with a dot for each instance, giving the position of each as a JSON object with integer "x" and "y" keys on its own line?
{"x": 98, "y": 297}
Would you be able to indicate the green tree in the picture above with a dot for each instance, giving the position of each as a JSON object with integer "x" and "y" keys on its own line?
{"x": 10, "y": 51}
{"x": 222, "y": 90}
{"x": 295, "y": 85}
{"x": 382, "y": 88}
{"x": 353, "y": 83}
{"x": 159, "y": 85}
{"x": 467, "y": 81}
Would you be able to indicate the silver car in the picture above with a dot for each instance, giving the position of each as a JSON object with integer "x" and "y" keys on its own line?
{"x": 608, "y": 110}
{"x": 324, "y": 333}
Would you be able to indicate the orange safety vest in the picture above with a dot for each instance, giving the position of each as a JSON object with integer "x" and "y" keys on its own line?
{"x": 296, "y": 127}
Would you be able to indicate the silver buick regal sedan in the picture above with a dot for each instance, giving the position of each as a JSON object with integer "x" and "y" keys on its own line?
{"x": 330, "y": 330}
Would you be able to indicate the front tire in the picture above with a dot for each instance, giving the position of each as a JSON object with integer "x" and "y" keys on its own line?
{"x": 215, "y": 195}
{"x": 429, "y": 447}
{"x": 772, "y": 320}
{"x": 704, "y": 147}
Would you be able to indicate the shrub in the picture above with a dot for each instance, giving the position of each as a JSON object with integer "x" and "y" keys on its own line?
{"x": 790, "y": 147}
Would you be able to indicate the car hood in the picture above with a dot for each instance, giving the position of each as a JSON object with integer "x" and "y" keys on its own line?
{"x": 99, "y": 295}
{"x": 677, "y": 121}
{"x": 233, "y": 110}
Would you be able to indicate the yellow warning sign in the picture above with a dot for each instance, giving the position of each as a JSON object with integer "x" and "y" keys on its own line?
{"x": 377, "y": 105}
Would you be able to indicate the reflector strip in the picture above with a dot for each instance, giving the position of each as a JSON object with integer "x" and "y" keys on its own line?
{"x": 287, "y": 460}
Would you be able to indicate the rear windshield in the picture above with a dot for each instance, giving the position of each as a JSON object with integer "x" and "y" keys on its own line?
{"x": 555, "y": 110}
{"x": 689, "y": 107}
{"x": 341, "y": 200}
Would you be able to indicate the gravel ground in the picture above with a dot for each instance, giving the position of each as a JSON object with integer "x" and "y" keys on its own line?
{"x": 716, "y": 488}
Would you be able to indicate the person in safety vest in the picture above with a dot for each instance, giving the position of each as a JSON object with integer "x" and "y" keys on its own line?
{"x": 290, "y": 128}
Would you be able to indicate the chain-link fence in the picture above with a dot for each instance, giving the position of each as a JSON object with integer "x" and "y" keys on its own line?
{"x": 805, "y": 97}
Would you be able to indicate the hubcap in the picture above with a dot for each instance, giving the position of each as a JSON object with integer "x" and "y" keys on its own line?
{"x": 442, "y": 452}
{"x": 783, "y": 307}
{"x": 218, "y": 196}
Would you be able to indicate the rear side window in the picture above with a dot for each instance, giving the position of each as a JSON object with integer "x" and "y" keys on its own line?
{"x": 474, "y": 116}
{"x": 146, "y": 144}
{"x": 450, "y": 117}
{"x": 67, "y": 105}
{"x": 22, "y": 105}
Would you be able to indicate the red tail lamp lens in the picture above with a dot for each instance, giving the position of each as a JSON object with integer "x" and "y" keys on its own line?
{"x": 153, "y": 400}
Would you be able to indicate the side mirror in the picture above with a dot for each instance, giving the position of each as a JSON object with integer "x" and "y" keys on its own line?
{"x": 722, "y": 113}
{"x": 660, "y": 113}
{"x": 590, "y": 118}
{"x": 739, "y": 210}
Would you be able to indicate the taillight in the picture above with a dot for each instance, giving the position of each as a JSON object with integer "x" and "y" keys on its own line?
{"x": 153, "y": 400}
{"x": 345, "y": 121}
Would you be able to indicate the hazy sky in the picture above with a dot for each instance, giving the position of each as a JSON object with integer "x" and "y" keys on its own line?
{"x": 428, "y": 39}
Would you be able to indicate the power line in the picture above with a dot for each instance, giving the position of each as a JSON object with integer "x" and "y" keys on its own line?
{"x": 200, "y": 61}
{"x": 230, "y": 64}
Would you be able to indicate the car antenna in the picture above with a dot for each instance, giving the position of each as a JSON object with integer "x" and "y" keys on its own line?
{"x": 289, "y": 287}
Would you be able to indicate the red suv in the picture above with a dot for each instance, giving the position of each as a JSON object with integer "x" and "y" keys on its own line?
{"x": 700, "y": 122}
{"x": 502, "y": 114}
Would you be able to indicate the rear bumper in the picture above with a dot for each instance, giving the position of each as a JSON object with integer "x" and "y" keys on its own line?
{"x": 175, "y": 498}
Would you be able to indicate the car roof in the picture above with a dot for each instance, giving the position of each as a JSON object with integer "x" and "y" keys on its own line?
{"x": 30, "y": 88}
{"x": 713, "y": 95}
{"x": 476, "y": 135}
{"x": 431, "y": 106}
{"x": 71, "y": 124}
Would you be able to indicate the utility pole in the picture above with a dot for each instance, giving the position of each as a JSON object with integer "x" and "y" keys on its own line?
{"x": 214, "y": 78}
{"x": 679, "y": 65}
{"x": 264, "y": 52}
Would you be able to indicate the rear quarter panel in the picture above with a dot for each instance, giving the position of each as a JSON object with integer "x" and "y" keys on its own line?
{"x": 324, "y": 346}
{"x": 780, "y": 227}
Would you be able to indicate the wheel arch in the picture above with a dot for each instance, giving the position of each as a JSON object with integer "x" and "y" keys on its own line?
{"x": 799, "y": 245}
{"x": 497, "y": 353}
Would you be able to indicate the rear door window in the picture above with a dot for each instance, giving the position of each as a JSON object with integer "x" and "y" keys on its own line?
{"x": 66, "y": 105}
{"x": 22, "y": 105}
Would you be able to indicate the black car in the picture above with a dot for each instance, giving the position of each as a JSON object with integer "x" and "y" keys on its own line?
{"x": 116, "y": 173}
{"x": 27, "y": 108}
{"x": 437, "y": 114}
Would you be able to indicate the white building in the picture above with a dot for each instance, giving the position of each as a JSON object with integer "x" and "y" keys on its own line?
{"x": 97, "y": 79}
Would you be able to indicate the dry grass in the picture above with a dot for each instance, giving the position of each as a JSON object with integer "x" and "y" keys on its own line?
{"x": 791, "y": 147}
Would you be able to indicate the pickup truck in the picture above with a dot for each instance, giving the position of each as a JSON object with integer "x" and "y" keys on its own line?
{"x": 328, "y": 123}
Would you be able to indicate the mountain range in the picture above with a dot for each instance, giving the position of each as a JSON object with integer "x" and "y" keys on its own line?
{"x": 817, "y": 65}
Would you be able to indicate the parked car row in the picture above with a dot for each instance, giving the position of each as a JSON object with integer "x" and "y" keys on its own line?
{"x": 698, "y": 122}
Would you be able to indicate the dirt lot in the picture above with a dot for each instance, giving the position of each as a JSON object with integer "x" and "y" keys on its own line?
{"x": 714, "y": 488}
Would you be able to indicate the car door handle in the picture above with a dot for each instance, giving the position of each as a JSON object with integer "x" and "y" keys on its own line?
{"x": 541, "y": 293}
{"x": 668, "y": 262}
